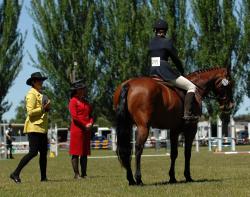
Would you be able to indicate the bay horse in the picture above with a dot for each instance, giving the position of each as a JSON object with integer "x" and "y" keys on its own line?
{"x": 145, "y": 102}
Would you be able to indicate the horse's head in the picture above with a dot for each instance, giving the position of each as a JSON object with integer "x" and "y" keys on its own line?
{"x": 223, "y": 89}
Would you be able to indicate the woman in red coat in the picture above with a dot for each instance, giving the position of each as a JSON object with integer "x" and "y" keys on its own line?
{"x": 81, "y": 123}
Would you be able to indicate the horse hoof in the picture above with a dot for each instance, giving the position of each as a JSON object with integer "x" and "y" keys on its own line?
{"x": 172, "y": 181}
{"x": 132, "y": 182}
{"x": 189, "y": 180}
{"x": 139, "y": 183}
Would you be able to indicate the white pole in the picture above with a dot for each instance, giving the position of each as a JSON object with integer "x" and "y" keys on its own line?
{"x": 157, "y": 141}
{"x": 166, "y": 139}
{"x": 19, "y": 132}
{"x": 219, "y": 134}
{"x": 113, "y": 137}
{"x": 2, "y": 149}
{"x": 197, "y": 141}
{"x": 56, "y": 131}
{"x": 232, "y": 125}
{"x": 168, "y": 146}
{"x": 4, "y": 140}
{"x": 209, "y": 136}
{"x": 248, "y": 126}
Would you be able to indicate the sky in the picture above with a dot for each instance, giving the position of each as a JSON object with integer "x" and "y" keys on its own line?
{"x": 19, "y": 89}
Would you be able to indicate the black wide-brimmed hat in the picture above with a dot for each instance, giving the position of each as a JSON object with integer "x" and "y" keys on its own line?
{"x": 35, "y": 76}
{"x": 79, "y": 84}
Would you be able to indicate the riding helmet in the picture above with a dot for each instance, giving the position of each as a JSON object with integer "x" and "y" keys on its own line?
{"x": 161, "y": 24}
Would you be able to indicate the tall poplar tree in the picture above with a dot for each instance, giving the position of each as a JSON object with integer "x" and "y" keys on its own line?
{"x": 106, "y": 42}
{"x": 11, "y": 49}
{"x": 246, "y": 41}
{"x": 124, "y": 31}
{"x": 221, "y": 40}
{"x": 63, "y": 30}
{"x": 123, "y": 34}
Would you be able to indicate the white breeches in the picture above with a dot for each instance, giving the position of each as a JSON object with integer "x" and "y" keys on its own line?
{"x": 183, "y": 83}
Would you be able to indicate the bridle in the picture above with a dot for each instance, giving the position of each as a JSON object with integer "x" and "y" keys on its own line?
{"x": 220, "y": 82}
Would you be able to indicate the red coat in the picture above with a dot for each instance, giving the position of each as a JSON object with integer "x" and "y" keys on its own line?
{"x": 80, "y": 112}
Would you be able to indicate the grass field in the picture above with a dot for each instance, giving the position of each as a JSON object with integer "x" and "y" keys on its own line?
{"x": 215, "y": 175}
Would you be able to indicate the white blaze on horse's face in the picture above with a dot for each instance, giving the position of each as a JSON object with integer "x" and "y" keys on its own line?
{"x": 224, "y": 82}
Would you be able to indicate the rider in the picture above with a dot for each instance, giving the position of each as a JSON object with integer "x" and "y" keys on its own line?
{"x": 160, "y": 49}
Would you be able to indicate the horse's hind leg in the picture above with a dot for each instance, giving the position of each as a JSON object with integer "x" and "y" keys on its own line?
{"x": 173, "y": 155}
{"x": 189, "y": 134}
{"x": 141, "y": 138}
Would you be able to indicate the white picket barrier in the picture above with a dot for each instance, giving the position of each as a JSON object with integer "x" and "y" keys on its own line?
{"x": 218, "y": 141}
{"x": 53, "y": 138}
{"x": 3, "y": 147}
{"x": 248, "y": 126}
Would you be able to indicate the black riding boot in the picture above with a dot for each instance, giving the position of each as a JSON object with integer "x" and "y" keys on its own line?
{"x": 11, "y": 156}
{"x": 75, "y": 161}
{"x": 83, "y": 162}
{"x": 188, "y": 107}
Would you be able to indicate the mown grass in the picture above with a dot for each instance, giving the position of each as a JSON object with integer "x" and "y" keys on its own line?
{"x": 215, "y": 175}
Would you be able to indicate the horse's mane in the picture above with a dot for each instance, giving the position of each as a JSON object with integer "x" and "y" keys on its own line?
{"x": 204, "y": 70}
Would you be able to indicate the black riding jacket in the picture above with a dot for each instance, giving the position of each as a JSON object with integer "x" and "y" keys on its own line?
{"x": 164, "y": 48}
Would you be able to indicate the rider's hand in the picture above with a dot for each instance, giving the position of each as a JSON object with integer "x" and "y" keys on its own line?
{"x": 88, "y": 126}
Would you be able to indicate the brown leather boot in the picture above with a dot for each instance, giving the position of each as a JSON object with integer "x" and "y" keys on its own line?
{"x": 188, "y": 107}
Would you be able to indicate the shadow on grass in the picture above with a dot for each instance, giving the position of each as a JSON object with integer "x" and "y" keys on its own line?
{"x": 72, "y": 179}
{"x": 60, "y": 180}
{"x": 184, "y": 182}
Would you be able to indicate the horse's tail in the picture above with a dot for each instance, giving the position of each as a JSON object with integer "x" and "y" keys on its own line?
{"x": 123, "y": 128}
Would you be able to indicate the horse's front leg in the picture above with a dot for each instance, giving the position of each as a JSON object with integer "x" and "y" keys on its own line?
{"x": 173, "y": 155}
{"x": 141, "y": 138}
{"x": 189, "y": 138}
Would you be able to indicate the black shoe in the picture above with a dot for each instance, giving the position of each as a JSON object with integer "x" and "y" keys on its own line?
{"x": 44, "y": 179}
{"x": 77, "y": 176}
{"x": 84, "y": 176}
{"x": 15, "y": 178}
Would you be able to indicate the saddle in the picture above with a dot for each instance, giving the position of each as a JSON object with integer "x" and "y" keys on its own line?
{"x": 180, "y": 92}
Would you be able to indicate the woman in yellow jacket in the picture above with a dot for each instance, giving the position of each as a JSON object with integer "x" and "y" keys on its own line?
{"x": 36, "y": 126}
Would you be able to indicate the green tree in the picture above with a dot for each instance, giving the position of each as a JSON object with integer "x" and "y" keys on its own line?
{"x": 248, "y": 85}
{"x": 20, "y": 113}
{"x": 11, "y": 49}
{"x": 64, "y": 32}
{"x": 220, "y": 40}
{"x": 246, "y": 41}
{"x": 108, "y": 42}
{"x": 123, "y": 33}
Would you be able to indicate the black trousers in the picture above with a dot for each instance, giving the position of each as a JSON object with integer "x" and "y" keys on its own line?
{"x": 38, "y": 142}
{"x": 9, "y": 150}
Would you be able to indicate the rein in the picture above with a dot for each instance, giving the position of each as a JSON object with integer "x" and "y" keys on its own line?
{"x": 204, "y": 90}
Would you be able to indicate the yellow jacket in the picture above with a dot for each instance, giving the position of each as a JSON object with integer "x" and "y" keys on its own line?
{"x": 37, "y": 119}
